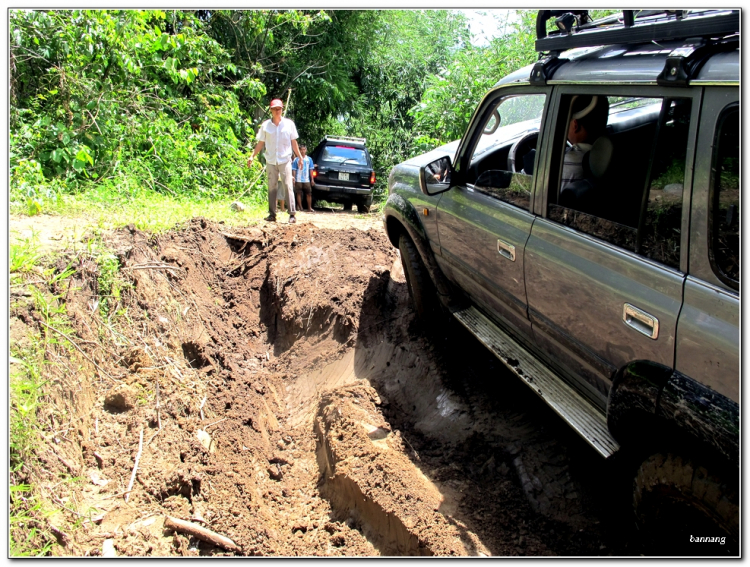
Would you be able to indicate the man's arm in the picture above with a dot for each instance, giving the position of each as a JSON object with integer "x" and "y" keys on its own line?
{"x": 295, "y": 149}
{"x": 258, "y": 148}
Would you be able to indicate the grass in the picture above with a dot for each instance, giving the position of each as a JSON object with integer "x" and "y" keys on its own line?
{"x": 29, "y": 535}
{"x": 31, "y": 372}
{"x": 147, "y": 210}
{"x": 106, "y": 208}
{"x": 24, "y": 255}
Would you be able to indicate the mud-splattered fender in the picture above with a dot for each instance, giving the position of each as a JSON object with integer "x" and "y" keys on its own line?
{"x": 649, "y": 400}
{"x": 703, "y": 413}
{"x": 401, "y": 216}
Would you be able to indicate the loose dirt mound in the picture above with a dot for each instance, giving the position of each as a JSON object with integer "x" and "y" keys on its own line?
{"x": 273, "y": 387}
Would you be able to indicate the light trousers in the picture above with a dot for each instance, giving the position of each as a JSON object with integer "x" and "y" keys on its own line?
{"x": 284, "y": 171}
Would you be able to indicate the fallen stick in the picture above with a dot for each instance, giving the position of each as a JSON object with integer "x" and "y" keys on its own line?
{"x": 215, "y": 422}
{"x": 201, "y": 533}
{"x": 153, "y": 436}
{"x": 154, "y": 267}
{"x": 158, "y": 412}
{"x": 201, "y": 408}
{"x": 135, "y": 467}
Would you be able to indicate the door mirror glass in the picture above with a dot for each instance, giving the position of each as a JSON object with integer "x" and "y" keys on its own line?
{"x": 435, "y": 177}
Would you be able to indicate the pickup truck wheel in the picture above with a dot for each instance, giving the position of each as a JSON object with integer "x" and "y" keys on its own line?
{"x": 677, "y": 500}
{"x": 421, "y": 288}
{"x": 347, "y": 205}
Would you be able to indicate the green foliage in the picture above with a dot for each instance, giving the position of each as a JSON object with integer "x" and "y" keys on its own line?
{"x": 110, "y": 285}
{"x": 168, "y": 101}
{"x": 409, "y": 46}
{"x": 101, "y": 93}
{"x": 454, "y": 92}
{"x": 24, "y": 255}
{"x": 28, "y": 535}
{"x": 29, "y": 188}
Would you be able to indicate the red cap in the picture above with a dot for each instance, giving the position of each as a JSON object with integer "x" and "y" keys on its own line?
{"x": 276, "y": 102}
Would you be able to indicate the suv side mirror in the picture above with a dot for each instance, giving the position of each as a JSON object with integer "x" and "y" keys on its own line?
{"x": 435, "y": 177}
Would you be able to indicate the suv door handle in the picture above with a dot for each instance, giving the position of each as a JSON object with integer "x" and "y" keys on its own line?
{"x": 640, "y": 321}
{"x": 506, "y": 250}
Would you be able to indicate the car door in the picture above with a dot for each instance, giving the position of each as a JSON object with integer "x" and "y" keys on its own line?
{"x": 708, "y": 331}
{"x": 485, "y": 219}
{"x": 605, "y": 285}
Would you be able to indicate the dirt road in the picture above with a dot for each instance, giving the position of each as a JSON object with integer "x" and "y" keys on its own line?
{"x": 274, "y": 388}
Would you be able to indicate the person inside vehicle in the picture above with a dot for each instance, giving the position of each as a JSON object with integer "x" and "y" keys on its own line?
{"x": 588, "y": 121}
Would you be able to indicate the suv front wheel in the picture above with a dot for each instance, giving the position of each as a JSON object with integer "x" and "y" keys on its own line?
{"x": 421, "y": 288}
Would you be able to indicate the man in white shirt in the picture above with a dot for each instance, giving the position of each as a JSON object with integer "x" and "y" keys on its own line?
{"x": 279, "y": 137}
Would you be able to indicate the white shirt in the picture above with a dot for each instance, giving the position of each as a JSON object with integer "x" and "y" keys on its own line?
{"x": 278, "y": 140}
{"x": 573, "y": 163}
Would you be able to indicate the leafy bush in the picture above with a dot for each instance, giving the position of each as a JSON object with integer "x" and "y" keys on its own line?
{"x": 101, "y": 93}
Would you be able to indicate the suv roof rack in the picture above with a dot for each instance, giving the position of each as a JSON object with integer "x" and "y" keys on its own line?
{"x": 634, "y": 26}
{"x": 705, "y": 30}
{"x": 344, "y": 139}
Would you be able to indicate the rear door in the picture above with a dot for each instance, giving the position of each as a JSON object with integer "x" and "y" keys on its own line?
{"x": 708, "y": 333}
{"x": 484, "y": 221}
{"x": 606, "y": 290}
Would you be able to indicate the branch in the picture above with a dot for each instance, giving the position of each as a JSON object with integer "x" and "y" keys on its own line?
{"x": 201, "y": 533}
{"x": 135, "y": 466}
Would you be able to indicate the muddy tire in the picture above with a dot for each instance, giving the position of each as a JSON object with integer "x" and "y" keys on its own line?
{"x": 677, "y": 500}
{"x": 347, "y": 205}
{"x": 421, "y": 288}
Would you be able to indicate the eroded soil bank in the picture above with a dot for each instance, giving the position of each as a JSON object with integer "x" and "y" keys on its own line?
{"x": 283, "y": 396}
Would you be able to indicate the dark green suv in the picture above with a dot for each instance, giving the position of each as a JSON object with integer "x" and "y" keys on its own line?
{"x": 344, "y": 172}
{"x": 586, "y": 230}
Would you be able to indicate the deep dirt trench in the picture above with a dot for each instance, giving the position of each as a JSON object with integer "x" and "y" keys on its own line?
{"x": 290, "y": 401}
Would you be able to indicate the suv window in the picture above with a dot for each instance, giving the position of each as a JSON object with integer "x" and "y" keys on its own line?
{"x": 503, "y": 160}
{"x": 625, "y": 186}
{"x": 725, "y": 198}
{"x": 341, "y": 154}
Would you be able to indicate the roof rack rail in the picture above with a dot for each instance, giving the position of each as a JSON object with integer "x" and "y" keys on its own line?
{"x": 577, "y": 29}
{"x": 344, "y": 139}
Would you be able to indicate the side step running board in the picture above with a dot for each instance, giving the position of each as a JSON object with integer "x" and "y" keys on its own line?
{"x": 582, "y": 416}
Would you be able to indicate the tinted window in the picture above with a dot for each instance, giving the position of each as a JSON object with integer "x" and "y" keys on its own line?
{"x": 344, "y": 154}
{"x": 503, "y": 160}
{"x": 625, "y": 185}
{"x": 725, "y": 198}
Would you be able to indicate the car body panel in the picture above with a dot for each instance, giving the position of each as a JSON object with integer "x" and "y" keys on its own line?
{"x": 577, "y": 288}
{"x": 573, "y": 299}
{"x": 404, "y": 183}
{"x": 708, "y": 338}
{"x": 715, "y": 100}
{"x": 470, "y": 224}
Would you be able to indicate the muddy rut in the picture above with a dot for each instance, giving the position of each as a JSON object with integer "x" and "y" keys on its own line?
{"x": 283, "y": 396}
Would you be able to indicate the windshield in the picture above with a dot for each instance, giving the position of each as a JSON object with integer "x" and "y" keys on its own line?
{"x": 344, "y": 154}
{"x": 518, "y": 114}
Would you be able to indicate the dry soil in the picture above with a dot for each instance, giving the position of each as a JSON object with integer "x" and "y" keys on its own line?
{"x": 274, "y": 388}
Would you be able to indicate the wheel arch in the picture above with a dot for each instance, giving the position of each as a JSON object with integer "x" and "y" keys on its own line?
{"x": 653, "y": 405}
{"x": 401, "y": 218}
